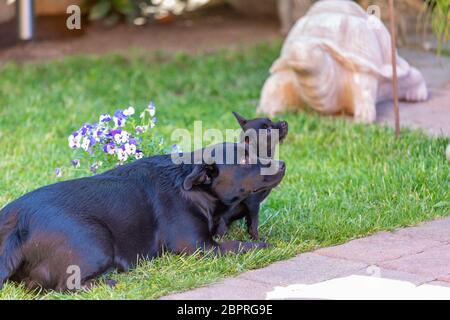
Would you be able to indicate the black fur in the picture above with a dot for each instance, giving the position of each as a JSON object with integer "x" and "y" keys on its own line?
{"x": 249, "y": 208}
{"x": 110, "y": 220}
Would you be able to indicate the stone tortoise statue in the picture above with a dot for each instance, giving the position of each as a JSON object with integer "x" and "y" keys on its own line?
{"x": 337, "y": 59}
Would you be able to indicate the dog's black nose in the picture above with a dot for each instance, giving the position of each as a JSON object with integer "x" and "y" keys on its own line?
{"x": 282, "y": 166}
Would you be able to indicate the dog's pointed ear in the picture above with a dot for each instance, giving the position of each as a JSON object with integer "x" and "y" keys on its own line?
{"x": 242, "y": 121}
{"x": 201, "y": 174}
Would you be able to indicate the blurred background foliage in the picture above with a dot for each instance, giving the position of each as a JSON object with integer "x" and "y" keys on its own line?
{"x": 436, "y": 13}
{"x": 137, "y": 12}
{"x": 439, "y": 11}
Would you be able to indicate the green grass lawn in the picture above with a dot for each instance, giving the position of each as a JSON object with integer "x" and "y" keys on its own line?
{"x": 343, "y": 180}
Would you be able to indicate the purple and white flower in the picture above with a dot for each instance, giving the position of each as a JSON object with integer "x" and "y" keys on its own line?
{"x": 119, "y": 118}
{"x": 119, "y": 114}
{"x": 153, "y": 122}
{"x": 141, "y": 129}
{"x": 119, "y": 122}
{"x": 105, "y": 118}
{"x": 112, "y": 132}
{"x": 75, "y": 163}
{"x": 109, "y": 148}
{"x": 121, "y": 154}
{"x": 58, "y": 172}
{"x": 87, "y": 143}
{"x": 84, "y": 130}
{"x": 151, "y": 109}
{"x": 121, "y": 136}
{"x": 176, "y": 149}
{"x": 98, "y": 134}
{"x": 75, "y": 140}
{"x": 94, "y": 167}
{"x": 121, "y": 140}
{"x": 130, "y": 148}
{"x": 97, "y": 131}
{"x": 128, "y": 111}
{"x": 139, "y": 154}
{"x": 115, "y": 134}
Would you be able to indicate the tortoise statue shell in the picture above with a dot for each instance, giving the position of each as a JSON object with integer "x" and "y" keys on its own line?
{"x": 337, "y": 59}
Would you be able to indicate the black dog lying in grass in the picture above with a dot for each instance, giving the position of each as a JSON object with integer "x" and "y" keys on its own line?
{"x": 249, "y": 208}
{"x": 110, "y": 220}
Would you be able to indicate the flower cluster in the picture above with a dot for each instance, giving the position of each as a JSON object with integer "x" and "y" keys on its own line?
{"x": 115, "y": 139}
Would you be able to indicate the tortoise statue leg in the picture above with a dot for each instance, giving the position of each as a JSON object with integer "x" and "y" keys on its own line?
{"x": 413, "y": 87}
{"x": 280, "y": 92}
{"x": 364, "y": 90}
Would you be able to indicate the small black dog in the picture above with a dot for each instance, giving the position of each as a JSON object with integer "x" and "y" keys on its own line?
{"x": 249, "y": 208}
{"x": 110, "y": 220}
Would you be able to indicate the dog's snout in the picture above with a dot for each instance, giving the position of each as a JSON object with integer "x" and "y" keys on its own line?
{"x": 283, "y": 127}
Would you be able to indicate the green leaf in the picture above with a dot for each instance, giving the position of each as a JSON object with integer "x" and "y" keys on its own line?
{"x": 111, "y": 20}
{"x": 99, "y": 10}
{"x": 125, "y": 7}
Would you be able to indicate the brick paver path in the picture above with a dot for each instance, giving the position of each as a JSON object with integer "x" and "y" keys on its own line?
{"x": 419, "y": 255}
{"x": 433, "y": 115}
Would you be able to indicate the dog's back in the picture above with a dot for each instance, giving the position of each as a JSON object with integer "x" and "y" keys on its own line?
{"x": 10, "y": 253}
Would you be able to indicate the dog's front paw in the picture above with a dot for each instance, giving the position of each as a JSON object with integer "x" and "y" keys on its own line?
{"x": 111, "y": 283}
{"x": 261, "y": 245}
{"x": 221, "y": 229}
{"x": 254, "y": 235}
{"x": 253, "y": 232}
